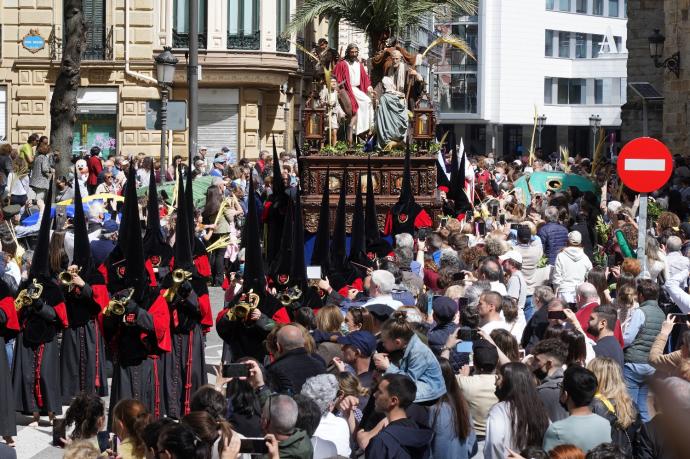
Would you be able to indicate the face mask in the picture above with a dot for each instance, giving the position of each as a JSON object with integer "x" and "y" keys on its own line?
{"x": 498, "y": 177}
{"x": 501, "y": 393}
{"x": 344, "y": 329}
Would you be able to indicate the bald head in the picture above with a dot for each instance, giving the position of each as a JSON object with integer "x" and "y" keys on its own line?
{"x": 289, "y": 338}
{"x": 587, "y": 293}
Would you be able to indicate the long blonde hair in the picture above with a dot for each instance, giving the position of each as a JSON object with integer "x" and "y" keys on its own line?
{"x": 611, "y": 386}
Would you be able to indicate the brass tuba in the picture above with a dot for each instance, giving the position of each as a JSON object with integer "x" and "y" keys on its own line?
{"x": 178, "y": 277}
{"x": 290, "y": 295}
{"x": 27, "y": 296}
{"x": 243, "y": 309}
{"x": 117, "y": 307}
{"x": 66, "y": 278}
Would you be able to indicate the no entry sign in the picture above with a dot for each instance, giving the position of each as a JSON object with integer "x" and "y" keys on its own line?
{"x": 645, "y": 164}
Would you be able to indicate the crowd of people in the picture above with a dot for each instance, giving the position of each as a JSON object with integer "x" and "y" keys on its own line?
{"x": 507, "y": 326}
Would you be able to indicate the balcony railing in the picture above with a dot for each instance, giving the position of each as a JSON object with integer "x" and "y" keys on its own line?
{"x": 94, "y": 50}
{"x": 181, "y": 40}
{"x": 54, "y": 45}
{"x": 242, "y": 41}
{"x": 282, "y": 44}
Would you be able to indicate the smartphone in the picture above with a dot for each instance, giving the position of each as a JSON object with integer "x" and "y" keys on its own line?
{"x": 313, "y": 272}
{"x": 681, "y": 317}
{"x": 502, "y": 219}
{"x": 459, "y": 276}
{"x": 468, "y": 217}
{"x": 514, "y": 226}
{"x": 467, "y": 334}
{"x": 521, "y": 353}
{"x": 253, "y": 446}
{"x": 444, "y": 220}
{"x": 556, "y": 315}
{"x": 235, "y": 370}
{"x": 465, "y": 346}
{"x": 494, "y": 211}
{"x": 59, "y": 432}
{"x": 481, "y": 228}
{"x": 611, "y": 260}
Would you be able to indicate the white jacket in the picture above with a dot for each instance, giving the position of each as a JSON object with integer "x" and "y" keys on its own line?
{"x": 570, "y": 270}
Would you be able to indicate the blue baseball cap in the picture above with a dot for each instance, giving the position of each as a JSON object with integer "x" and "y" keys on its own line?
{"x": 109, "y": 226}
{"x": 360, "y": 339}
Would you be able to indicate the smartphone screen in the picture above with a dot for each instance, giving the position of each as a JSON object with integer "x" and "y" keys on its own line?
{"x": 465, "y": 346}
{"x": 59, "y": 432}
{"x": 681, "y": 317}
{"x": 502, "y": 219}
{"x": 467, "y": 334}
{"x": 481, "y": 228}
{"x": 253, "y": 446}
{"x": 235, "y": 370}
{"x": 556, "y": 315}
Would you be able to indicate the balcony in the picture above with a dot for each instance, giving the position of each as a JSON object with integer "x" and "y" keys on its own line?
{"x": 282, "y": 45}
{"x": 244, "y": 42}
{"x": 181, "y": 40}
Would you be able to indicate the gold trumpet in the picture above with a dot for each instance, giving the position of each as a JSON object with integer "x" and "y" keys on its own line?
{"x": 243, "y": 309}
{"x": 27, "y": 296}
{"x": 66, "y": 278}
{"x": 178, "y": 277}
{"x": 117, "y": 307}
{"x": 290, "y": 295}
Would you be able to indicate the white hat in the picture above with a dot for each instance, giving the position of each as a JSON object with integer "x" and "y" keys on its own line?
{"x": 614, "y": 206}
{"x": 575, "y": 238}
{"x": 511, "y": 255}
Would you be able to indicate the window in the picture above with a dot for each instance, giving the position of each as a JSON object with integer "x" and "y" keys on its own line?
{"x": 460, "y": 61}
{"x": 613, "y": 8}
{"x": 619, "y": 44}
{"x": 598, "y": 7}
{"x": 570, "y": 91}
{"x": 548, "y": 44}
{"x": 563, "y": 5}
{"x": 564, "y": 44}
{"x": 456, "y": 92}
{"x": 549, "y": 4}
{"x": 625, "y": 8}
{"x": 181, "y": 23}
{"x": 581, "y": 6}
{"x": 243, "y": 24}
{"x": 548, "y": 90}
{"x": 282, "y": 19}
{"x": 598, "y": 92}
{"x": 580, "y": 46}
{"x": 94, "y": 16}
{"x": 596, "y": 45}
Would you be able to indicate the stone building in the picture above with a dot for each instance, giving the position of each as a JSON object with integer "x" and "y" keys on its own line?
{"x": 248, "y": 84}
{"x": 670, "y": 120}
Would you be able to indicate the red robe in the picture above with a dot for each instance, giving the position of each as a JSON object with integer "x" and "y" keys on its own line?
{"x": 342, "y": 74}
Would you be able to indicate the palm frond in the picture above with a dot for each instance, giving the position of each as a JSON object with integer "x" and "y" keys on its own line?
{"x": 598, "y": 157}
{"x": 532, "y": 152}
{"x": 451, "y": 40}
{"x": 565, "y": 156}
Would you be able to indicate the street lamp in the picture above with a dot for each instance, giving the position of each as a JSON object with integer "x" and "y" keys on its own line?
{"x": 656, "y": 52}
{"x": 595, "y": 124}
{"x": 541, "y": 120}
{"x": 165, "y": 71}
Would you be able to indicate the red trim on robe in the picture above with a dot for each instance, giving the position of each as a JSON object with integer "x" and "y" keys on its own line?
{"x": 104, "y": 272}
{"x": 226, "y": 283}
{"x": 388, "y": 226}
{"x": 281, "y": 316}
{"x": 221, "y": 314}
{"x": 206, "y": 313}
{"x": 266, "y": 211}
{"x": 203, "y": 267}
{"x": 161, "y": 323}
{"x": 7, "y": 305}
{"x": 422, "y": 220}
{"x": 61, "y": 311}
{"x": 100, "y": 295}
{"x": 342, "y": 74}
{"x": 152, "y": 274}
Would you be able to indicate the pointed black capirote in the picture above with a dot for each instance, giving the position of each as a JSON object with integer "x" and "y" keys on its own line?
{"x": 40, "y": 266}
{"x": 358, "y": 247}
{"x": 154, "y": 234}
{"x": 298, "y": 154}
{"x": 82, "y": 247}
{"x": 276, "y": 214}
{"x": 371, "y": 223}
{"x": 281, "y": 263}
{"x": 189, "y": 202}
{"x": 338, "y": 254}
{"x": 322, "y": 240}
{"x": 406, "y": 194}
{"x": 254, "y": 277}
{"x": 136, "y": 275}
{"x": 298, "y": 269}
{"x": 183, "y": 247}
{"x": 457, "y": 184}
{"x": 277, "y": 184}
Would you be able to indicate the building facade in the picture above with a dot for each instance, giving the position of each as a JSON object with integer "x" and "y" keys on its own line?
{"x": 249, "y": 76}
{"x": 565, "y": 59}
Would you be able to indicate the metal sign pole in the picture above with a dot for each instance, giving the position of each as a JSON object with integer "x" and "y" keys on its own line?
{"x": 642, "y": 235}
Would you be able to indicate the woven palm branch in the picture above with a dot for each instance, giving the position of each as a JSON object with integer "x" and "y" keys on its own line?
{"x": 565, "y": 156}
{"x": 598, "y": 159}
{"x": 451, "y": 40}
{"x": 532, "y": 153}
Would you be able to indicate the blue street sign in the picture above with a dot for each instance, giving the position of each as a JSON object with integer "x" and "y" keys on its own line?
{"x": 33, "y": 43}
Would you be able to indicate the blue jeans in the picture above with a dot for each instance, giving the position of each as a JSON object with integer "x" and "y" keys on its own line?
{"x": 9, "y": 349}
{"x": 636, "y": 375}
{"x": 529, "y": 308}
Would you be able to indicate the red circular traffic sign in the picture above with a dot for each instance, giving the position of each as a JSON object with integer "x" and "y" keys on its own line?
{"x": 645, "y": 164}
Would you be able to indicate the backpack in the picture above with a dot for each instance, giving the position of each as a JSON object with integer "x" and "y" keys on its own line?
{"x": 621, "y": 437}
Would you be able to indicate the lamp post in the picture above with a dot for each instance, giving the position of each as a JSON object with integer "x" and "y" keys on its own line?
{"x": 656, "y": 52}
{"x": 595, "y": 124}
{"x": 165, "y": 71}
{"x": 541, "y": 120}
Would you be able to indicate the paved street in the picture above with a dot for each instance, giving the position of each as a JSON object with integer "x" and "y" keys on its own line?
{"x": 36, "y": 442}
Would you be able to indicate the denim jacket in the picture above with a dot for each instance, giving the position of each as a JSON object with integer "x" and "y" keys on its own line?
{"x": 420, "y": 364}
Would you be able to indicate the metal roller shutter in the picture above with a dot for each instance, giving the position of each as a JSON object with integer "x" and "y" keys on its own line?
{"x": 218, "y": 127}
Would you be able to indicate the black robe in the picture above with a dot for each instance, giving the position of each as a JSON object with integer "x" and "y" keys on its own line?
{"x": 36, "y": 369}
{"x": 82, "y": 354}
{"x": 8, "y": 330}
{"x": 184, "y": 368}
{"x": 243, "y": 339}
{"x": 138, "y": 342}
